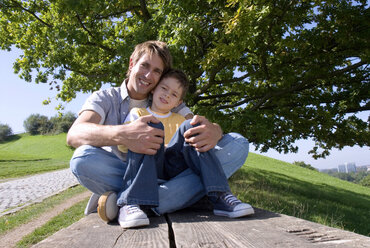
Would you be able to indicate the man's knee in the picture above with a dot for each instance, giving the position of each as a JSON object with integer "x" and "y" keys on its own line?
{"x": 79, "y": 162}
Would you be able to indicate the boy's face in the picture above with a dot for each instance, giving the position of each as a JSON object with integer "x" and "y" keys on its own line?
{"x": 144, "y": 76}
{"x": 166, "y": 95}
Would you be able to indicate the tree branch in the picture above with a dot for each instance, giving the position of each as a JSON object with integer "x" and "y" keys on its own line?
{"x": 83, "y": 25}
{"x": 308, "y": 82}
{"x": 17, "y": 4}
{"x": 211, "y": 80}
{"x": 89, "y": 43}
{"x": 219, "y": 96}
{"x": 118, "y": 13}
{"x": 85, "y": 74}
{"x": 233, "y": 80}
{"x": 144, "y": 11}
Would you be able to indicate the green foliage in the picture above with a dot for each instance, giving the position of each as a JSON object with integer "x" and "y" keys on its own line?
{"x": 39, "y": 124}
{"x": 355, "y": 177}
{"x": 5, "y": 131}
{"x": 61, "y": 124}
{"x": 304, "y": 165}
{"x": 365, "y": 181}
{"x": 274, "y": 71}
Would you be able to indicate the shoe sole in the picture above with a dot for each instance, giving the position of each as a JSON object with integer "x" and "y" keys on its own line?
{"x": 236, "y": 214}
{"x": 92, "y": 205}
{"x": 134, "y": 223}
{"x": 107, "y": 206}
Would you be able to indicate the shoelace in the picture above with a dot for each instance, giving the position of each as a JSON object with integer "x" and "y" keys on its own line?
{"x": 132, "y": 209}
{"x": 231, "y": 199}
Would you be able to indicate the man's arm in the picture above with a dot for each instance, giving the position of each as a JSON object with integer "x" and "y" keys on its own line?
{"x": 137, "y": 136}
{"x": 207, "y": 134}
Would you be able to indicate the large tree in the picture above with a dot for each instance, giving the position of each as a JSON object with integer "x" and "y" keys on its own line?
{"x": 275, "y": 71}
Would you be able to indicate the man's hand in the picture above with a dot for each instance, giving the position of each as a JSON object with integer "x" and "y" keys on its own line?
{"x": 205, "y": 136}
{"x": 141, "y": 138}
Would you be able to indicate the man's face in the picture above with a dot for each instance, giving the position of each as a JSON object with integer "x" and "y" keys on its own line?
{"x": 144, "y": 76}
{"x": 166, "y": 95}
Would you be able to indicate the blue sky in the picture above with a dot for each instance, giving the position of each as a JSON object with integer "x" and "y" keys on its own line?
{"x": 19, "y": 99}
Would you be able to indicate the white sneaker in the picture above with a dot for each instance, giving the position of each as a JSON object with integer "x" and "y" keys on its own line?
{"x": 107, "y": 206}
{"x": 92, "y": 204}
{"x": 132, "y": 216}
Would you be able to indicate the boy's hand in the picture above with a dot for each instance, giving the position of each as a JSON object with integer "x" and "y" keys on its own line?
{"x": 205, "y": 136}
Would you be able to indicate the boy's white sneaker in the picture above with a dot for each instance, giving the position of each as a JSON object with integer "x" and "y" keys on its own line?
{"x": 132, "y": 216}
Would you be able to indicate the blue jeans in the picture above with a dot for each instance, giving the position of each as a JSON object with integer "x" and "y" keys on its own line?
{"x": 140, "y": 179}
{"x": 100, "y": 171}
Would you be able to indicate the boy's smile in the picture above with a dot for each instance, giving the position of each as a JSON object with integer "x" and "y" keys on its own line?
{"x": 167, "y": 95}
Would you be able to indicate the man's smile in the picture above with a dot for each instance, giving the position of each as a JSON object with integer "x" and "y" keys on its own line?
{"x": 144, "y": 83}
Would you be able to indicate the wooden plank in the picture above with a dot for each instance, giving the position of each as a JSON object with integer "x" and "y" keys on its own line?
{"x": 92, "y": 232}
{"x": 263, "y": 229}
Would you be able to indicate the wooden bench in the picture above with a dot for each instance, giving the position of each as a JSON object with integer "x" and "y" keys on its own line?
{"x": 189, "y": 228}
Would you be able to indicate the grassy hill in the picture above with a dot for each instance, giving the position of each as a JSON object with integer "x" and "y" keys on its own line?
{"x": 285, "y": 188}
{"x": 263, "y": 182}
{"x": 25, "y": 155}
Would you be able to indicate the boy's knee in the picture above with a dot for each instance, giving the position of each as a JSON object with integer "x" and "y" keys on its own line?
{"x": 156, "y": 125}
{"x": 186, "y": 125}
{"x": 235, "y": 139}
{"x": 240, "y": 140}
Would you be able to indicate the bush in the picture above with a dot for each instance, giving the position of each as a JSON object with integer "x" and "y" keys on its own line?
{"x": 5, "y": 131}
{"x": 365, "y": 181}
{"x": 37, "y": 124}
{"x": 61, "y": 124}
{"x": 304, "y": 165}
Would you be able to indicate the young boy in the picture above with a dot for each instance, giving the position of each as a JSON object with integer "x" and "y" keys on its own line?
{"x": 140, "y": 179}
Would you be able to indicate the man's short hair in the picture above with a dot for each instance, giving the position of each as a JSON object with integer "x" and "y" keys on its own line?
{"x": 152, "y": 47}
{"x": 181, "y": 78}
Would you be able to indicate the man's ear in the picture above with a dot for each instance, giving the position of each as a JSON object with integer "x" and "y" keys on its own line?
{"x": 131, "y": 64}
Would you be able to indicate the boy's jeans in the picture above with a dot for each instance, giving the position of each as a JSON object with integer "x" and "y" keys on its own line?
{"x": 101, "y": 171}
{"x": 140, "y": 184}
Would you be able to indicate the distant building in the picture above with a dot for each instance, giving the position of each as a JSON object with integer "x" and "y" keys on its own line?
{"x": 351, "y": 167}
{"x": 342, "y": 168}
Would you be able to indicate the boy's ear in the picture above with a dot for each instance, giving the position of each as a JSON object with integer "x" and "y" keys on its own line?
{"x": 180, "y": 101}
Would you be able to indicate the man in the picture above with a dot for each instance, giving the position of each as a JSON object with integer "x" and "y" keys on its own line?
{"x": 96, "y": 133}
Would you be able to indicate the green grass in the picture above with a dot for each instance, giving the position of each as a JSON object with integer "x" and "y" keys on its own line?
{"x": 26, "y": 155}
{"x": 285, "y": 188}
{"x": 65, "y": 219}
{"x": 264, "y": 182}
{"x": 11, "y": 221}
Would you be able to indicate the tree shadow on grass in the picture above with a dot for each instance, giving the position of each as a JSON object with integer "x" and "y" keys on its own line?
{"x": 10, "y": 138}
{"x": 25, "y": 160}
{"x": 318, "y": 202}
